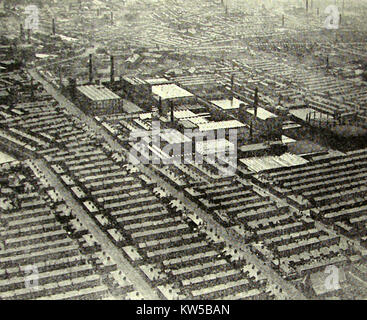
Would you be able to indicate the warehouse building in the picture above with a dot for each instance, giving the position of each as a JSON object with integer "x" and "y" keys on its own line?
{"x": 168, "y": 96}
{"x": 98, "y": 100}
{"x": 265, "y": 121}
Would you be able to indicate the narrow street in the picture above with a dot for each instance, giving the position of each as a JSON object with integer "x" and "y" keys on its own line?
{"x": 122, "y": 263}
{"x": 319, "y": 225}
{"x": 228, "y": 235}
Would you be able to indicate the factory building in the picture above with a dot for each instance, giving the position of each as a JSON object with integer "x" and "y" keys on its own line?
{"x": 98, "y": 100}
{"x": 262, "y": 120}
{"x": 169, "y": 95}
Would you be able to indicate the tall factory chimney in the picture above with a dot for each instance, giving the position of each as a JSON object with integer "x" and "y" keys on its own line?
{"x": 53, "y": 26}
{"x": 60, "y": 75}
{"x": 306, "y": 5}
{"x": 111, "y": 17}
{"x": 29, "y": 35}
{"x": 327, "y": 62}
{"x": 90, "y": 69}
{"x": 21, "y": 32}
{"x": 283, "y": 20}
{"x": 232, "y": 87}
{"x": 160, "y": 106}
{"x": 172, "y": 116}
{"x": 32, "y": 89}
{"x": 112, "y": 70}
{"x": 256, "y": 101}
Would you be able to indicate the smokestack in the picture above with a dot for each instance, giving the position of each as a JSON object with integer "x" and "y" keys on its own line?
{"x": 160, "y": 106}
{"x": 340, "y": 18}
{"x": 232, "y": 85}
{"x": 60, "y": 75}
{"x": 72, "y": 86}
{"x": 111, "y": 17}
{"x": 53, "y": 27}
{"x": 29, "y": 35}
{"x": 327, "y": 62}
{"x": 32, "y": 89}
{"x": 112, "y": 70}
{"x": 172, "y": 117}
{"x": 21, "y": 32}
{"x": 90, "y": 69}
{"x": 256, "y": 101}
{"x": 306, "y": 5}
{"x": 283, "y": 20}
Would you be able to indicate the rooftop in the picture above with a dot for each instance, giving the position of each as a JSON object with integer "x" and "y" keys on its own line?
{"x": 229, "y": 124}
{"x": 157, "y": 81}
{"x": 303, "y": 112}
{"x": 170, "y": 91}
{"x": 262, "y": 113}
{"x": 173, "y": 136}
{"x": 97, "y": 92}
{"x": 270, "y": 162}
{"x": 183, "y": 114}
{"x": 227, "y": 104}
{"x": 214, "y": 146}
{"x": 5, "y": 158}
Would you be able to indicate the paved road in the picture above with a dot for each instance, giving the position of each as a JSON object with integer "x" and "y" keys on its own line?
{"x": 122, "y": 263}
{"x": 229, "y": 235}
{"x": 139, "y": 282}
{"x": 72, "y": 109}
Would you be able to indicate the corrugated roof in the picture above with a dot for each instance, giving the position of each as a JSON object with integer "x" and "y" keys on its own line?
{"x": 230, "y": 124}
{"x": 182, "y": 114}
{"x": 262, "y": 113}
{"x": 157, "y": 81}
{"x": 97, "y": 92}
{"x": 228, "y": 104}
{"x": 214, "y": 146}
{"x": 170, "y": 91}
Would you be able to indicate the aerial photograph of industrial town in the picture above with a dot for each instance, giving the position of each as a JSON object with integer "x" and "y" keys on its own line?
{"x": 183, "y": 150}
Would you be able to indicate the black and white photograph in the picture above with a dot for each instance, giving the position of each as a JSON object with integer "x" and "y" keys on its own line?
{"x": 202, "y": 151}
